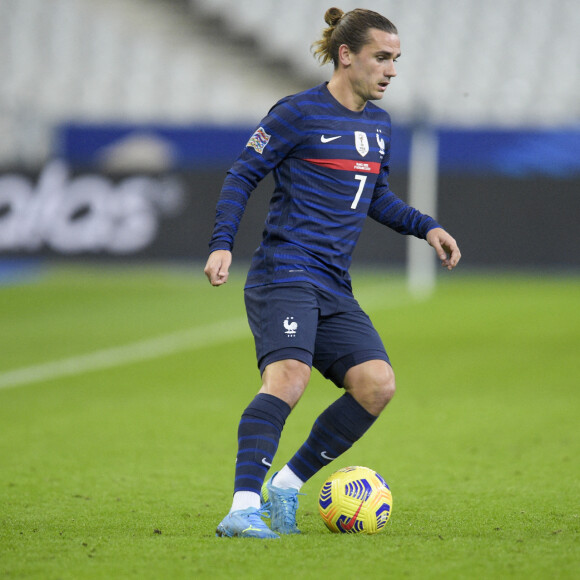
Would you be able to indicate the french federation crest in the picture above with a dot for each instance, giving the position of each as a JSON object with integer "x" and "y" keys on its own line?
{"x": 361, "y": 142}
{"x": 380, "y": 143}
{"x": 290, "y": 325}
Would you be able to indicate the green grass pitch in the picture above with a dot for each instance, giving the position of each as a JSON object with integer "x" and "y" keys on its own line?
{"x": 118, "y": 462}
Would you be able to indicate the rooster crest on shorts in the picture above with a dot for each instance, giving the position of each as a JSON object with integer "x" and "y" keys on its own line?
{"x": 290, "y": 325}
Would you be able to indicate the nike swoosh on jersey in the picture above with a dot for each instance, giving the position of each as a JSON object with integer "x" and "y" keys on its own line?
{"x": 266, "y": 462}
{"x": 328, "y": 139}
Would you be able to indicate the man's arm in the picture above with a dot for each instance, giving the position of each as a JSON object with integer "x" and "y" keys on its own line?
{"x": 277, "y": 133}
{"x": 388, "y": 209}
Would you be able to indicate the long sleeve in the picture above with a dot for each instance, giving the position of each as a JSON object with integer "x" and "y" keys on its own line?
{"x": 277, "y": 134}
{"x": 387, "y": 209}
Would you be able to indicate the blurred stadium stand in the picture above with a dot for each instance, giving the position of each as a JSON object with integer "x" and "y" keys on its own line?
{"x": 121, "y": 61}
{"x": 465, "y": 63}
{"x": 155, "y": 98}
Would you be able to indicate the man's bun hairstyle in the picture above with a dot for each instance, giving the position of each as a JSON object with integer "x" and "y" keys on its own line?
{"x": 350, "y": 28}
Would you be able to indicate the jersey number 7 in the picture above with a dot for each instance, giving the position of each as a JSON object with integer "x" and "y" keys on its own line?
{"x": 363, "y": 180}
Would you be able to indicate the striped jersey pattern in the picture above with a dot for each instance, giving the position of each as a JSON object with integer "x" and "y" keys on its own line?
{"x": 331, "y": 168}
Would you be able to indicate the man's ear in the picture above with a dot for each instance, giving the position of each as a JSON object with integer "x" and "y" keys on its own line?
{"x": 344, "y": 55}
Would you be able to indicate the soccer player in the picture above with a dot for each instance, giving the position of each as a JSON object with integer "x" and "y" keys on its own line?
{"x": 329, "y": 150}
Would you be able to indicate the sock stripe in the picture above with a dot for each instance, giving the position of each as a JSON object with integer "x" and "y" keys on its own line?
{"x": 260, "y": 480}
{"x": 252, "y": 421}
{"x": 253, "y": 463}
{"x": 258, "y": 438}
{"x": 255, "y": 453}
{"x": 302, "y": 459}
{"x": 246, "y": 489}
{"x": 328, "y": 446}
{"x": 325, "y": 448}
{"x": 335, "y": 435}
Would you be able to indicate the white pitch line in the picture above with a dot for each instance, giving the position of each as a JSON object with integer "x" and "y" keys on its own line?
{"x": 375, "y": 298}
{"x": 193, "y": 338}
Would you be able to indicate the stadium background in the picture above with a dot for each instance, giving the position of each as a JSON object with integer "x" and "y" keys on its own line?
{"x": 119, "y": 120}
{"x": 123, "y": 373}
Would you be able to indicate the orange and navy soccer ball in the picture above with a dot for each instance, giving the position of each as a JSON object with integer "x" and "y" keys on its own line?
{"x": 355, "y": 500}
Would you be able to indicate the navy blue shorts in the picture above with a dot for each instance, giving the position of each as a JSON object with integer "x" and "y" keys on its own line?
{"x": 302, "y": 322}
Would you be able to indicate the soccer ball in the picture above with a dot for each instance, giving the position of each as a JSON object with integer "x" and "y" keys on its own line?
{"x": 355, "y": 500}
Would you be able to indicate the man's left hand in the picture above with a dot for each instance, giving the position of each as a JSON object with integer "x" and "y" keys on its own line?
{"x": 445, "y": 246}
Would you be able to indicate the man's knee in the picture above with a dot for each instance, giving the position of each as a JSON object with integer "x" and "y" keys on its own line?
{"x": 286, "y": 379}
{"x": 372, "y": 384}
{"x": 382, "y": 386}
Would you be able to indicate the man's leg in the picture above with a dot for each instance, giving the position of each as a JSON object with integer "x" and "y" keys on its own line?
{"x": 369, "y": 387}
{"x": 259, "y": 432}
{"x": 261, "y": 425}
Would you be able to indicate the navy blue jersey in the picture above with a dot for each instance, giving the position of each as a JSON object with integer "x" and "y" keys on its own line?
{"x": 331, "y": 168}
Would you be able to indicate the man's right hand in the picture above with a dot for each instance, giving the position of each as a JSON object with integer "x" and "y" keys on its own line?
{"x": 217, "y": 268}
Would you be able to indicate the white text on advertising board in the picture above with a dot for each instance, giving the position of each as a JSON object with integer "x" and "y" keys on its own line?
{"x": 89, "y": 213}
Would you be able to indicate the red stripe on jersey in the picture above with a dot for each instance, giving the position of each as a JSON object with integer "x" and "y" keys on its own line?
{"x": 348, "y": 165}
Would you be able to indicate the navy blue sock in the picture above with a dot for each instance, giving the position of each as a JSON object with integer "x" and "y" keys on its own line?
{"x": 258, "y": 436}
{"x": 333, "y": 433}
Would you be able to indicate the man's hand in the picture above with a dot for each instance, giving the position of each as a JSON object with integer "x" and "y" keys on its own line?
{"x": 445, "y": 246}
{"x": 217, "y": 268}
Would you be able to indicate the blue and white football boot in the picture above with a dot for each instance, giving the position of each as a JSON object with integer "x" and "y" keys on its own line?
{"x": 282, "y": 505}
{"x": 246, "y": 523}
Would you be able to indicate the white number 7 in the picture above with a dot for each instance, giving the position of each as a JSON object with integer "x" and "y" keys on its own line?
{"x": 363, "y": 180}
